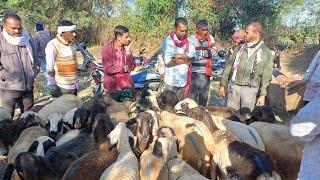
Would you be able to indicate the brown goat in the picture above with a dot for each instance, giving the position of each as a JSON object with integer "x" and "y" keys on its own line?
{"x": 167, "y": 100}
{"x": 143, "y": 131}
{"x": 91, "y": 165}
{"x": 227, "y": 112}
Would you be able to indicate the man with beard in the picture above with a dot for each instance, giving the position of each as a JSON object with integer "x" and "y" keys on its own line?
{"x": 177, "y": 54}
{"x": 18, "y": 65}
{"x": 248, "y": 71}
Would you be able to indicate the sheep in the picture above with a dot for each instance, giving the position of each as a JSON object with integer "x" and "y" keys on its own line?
{"x": 55, "y": 125}
{"x": 4, "y": 114}
{"x": 151, "y": 166}
{"x": 60, "y": 105}
{"x": 126, "y": 165}
{"x": 41, "y": 145}
{"x": 91, "y": 165}
{"x": 95, "y": 109}
{"x": 117, "y": 113}
{"x": 237, "y": 160}
{"x": 246, "y": 133}
{"x": 67, "y": 137}
{"x": 166, "y": 147}
{"x": 60, "y": 157}
{"x": 284, "y": 149}
{"x": 8, "y": 134}
{"x": 167, "y": 100}
{"x": 25, "y": 140}
{"x": 227, "y": 112}
{"x": 200, "y": 114}
{"x": 178, "y": 108}
{"x": 76, "y": 118}
{"x": 144, "y": 130}
{"x": 30, "y": 167}
{"x": 195, "y": 140}
{"x": 22, "y": 145}
{"x": 29, "y": 118}
{"x": 259, "y": 113}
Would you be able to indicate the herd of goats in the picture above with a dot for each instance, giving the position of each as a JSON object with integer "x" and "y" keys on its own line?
{"x": 158, "y": 139}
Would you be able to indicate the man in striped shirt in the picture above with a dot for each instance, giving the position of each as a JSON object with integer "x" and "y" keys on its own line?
{"x": 201, "y": 67}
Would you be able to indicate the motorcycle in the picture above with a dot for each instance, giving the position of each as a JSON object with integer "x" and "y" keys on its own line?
{"x": 219, "y": 64}
{"x": 144, "y": 78}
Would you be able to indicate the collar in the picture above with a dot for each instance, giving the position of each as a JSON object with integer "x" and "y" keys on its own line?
{"x": 62, "y": 40}
{"x": 253, "y": 44}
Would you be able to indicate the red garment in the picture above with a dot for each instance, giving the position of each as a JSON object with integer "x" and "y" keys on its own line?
{"x": 209, "y": 62}
{"x": 180, "y": 43}
{"x": 115, "y": 77}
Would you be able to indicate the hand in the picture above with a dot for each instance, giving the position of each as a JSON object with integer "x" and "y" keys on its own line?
{"x": 51, "y": 73}
{"x": 221, "y": 91}
{"x": 261, "y": 101}
{"x": 128, "y": 48}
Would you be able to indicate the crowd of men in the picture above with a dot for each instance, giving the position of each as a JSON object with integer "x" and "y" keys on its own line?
{"x": 187, "y": 59}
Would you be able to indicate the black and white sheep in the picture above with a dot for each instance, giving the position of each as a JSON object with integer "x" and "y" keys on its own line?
{"x": 76, "y": 118}
{"x": 60, "y": 105}
{"x": 126, "y": 166}
{"x": 41, "y": 145}
{"x": 55, "y": 125}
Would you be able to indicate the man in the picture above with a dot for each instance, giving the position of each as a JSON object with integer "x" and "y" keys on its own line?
{"x": 118, "y": 62}
{"x": 42, "y": 38}
{"x": 201, "y": 67}
{"x": 250, "y": 72}
{"x": 305, "y": 126}
{"x": 61, "y": 61}
{"x": 177, "y": 55}
{"x": 18, "y": 65}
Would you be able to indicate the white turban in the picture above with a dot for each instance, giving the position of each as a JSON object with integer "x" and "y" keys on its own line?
{"x": 62, "y": 29}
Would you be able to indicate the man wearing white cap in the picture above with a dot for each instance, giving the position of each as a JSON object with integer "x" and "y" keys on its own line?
{"x": 61, "y": 61}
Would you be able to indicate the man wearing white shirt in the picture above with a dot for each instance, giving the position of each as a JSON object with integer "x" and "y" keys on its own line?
{"x": 61, "y": 61}
{"x": 177, "y": 55}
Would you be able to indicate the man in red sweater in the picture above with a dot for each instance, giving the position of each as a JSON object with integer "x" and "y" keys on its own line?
{"x": 118, "y": 62}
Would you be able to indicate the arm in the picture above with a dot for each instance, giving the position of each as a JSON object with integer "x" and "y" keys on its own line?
{"x": 170, "y": 57}
{"x": 312, "y": 67}
{"x": 51, "y": 55}
{"x": 266, "y": 75}
{"x": 305, "y": 125}
{"x": 227, "y": 69}
{"x": 108, "y": 62}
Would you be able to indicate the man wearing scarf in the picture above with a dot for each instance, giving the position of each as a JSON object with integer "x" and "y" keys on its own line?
{"x": 118, "y": 62}
{"x": 18, "y": 65}
{"x": 201, "y": 67}
{"x": 61, "y": 61}
{"x": 248, "y": 71}
{"x": 177, "y": 55}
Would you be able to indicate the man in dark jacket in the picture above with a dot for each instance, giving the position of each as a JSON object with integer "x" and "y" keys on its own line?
{"x": 18, "y": 65}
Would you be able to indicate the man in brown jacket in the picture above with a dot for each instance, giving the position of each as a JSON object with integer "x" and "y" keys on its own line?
{"x": 18, "y": 65}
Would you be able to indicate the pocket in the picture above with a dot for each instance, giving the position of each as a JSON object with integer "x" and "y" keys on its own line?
{"x": 4, "y": 75}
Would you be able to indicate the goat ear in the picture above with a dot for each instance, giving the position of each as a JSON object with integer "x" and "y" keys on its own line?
{"x": 47, "y": 145}
{"x": 33, "y": 147}
{"x": 131, "y": 142}
{"x": 8, "y": 172}
{"x": 131, "y": 122}
{"x": 177, "y": 142}
{"x": 157, "y": 149}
